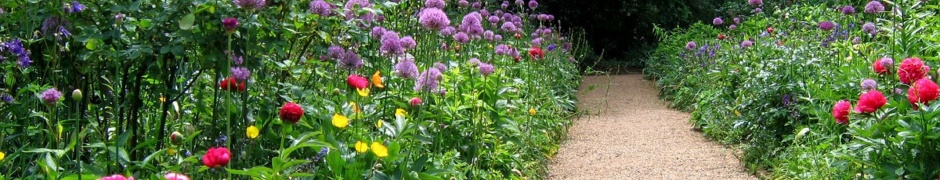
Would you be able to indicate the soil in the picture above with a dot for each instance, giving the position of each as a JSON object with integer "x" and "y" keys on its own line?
{"x": 628, "y": 133}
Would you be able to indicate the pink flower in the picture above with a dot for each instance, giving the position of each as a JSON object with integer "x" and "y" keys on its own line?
{"x": 216, "y": 157}
{"x": 879, "y": 66}
{"x": 912, "y": 69}
{"x": 116, "y": 177}
{"x": 841, "y": 112}
{"x": 870, "y": 101}
{"x": 923, "y": 91}
{"x": 355, "y": 81}
{"x": 415, "y": 101}
{"x": 174, "y": 176}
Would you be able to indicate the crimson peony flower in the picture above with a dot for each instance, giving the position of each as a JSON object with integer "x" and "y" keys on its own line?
{"x": 879, "y": 67}
{"x": 770, "y": 30}
{"x": 355, "y": 81}
{"x": 216, "y": 157}
{"x": 230, "y": 84}
{"x": 841, "y": 112}
{"x": 117, "y": 177}
{"x": 721, "y": 36}
{"x": 291, "y": 112}
{"x": 536, "y": 52}
{"x": 923, "y": 91}
{"x": 415, "y": 101}
{"x": 912, "y": 69}
{"x": 870, "y": 101}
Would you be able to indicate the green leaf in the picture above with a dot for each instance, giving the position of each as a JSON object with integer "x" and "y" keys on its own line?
{"x": 80, "y": 176}
{"x": 187, "y": 22}
{"x": 92, "y": 44}
{"x": 145, "y": 23}
{"x": 57, "y": 152}
{"x": 50, "y": 162}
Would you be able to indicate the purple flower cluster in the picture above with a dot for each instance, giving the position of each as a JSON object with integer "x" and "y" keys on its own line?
{"x": 717, "y": 21}
{"x": 55, "y": 26}
{"x": 508, "y": 27}
{"x": 15, "y": 47}
{"x": 448, "y": 31}
{"x": 870, "y": 28}
{"x": 391, "y": 44}
{"x": 439, "y": 4}
{"x": 474, "y": 61}
{"x": 408, "y": 42}
{"x": 433, "y": 18}
{"x": 240, "y": 73}
{"x": 429, "y": 81}
{"x": 51, "y": 96}
{"x": 351, "y": 13}
{"x": 406, "y": 69}
{"x": 533, "y": 4}
{"x": 230, "y": 24}
{"x": 755, "y": 2}
{"x": 348, "y": 60}
{"x": 690, "y": 45}
{"x": 874, "y": 7}
{"x": 463, "y": 3}
{"x": 502, "y": 49}
{"x": 472, "y": 24}
{"x": 7, "y": 98}
{"x": 826, "y": 25}
{"x": 377, "y": 32}
{"x": 440, "y": 66}
{"x": 321, "y": 8}
{"x": 461, "y": 37}
{"x": 747, "y": 43}
{"x": 250, "y": 4}
{"x": 848, "y": 10}
{"x": 489, "y": 35}
{"x": 74, "y": 7}
{"x": 869, "y": 84}
{"x": 485, "y": 69}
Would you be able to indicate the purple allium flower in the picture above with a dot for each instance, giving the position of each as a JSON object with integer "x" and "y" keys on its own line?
{"x": 856, "y": 40}
{"x": 533, "y": 4}
{"x": 732, "y": 27}
{"x": 230, "y": 24}
{"x": 485, "y": 69}
{"x": 493, "y": 20}
{"x": 241, "y": 73}
{"x": 440, "y": 66}
{"x": 520, "y": 2}
{"x": 406, "y": 69}
{"x": 463, "y": 3}
{"x": 350, "y": 10}
{"x": 238, "y": 60}
{"x": 448, "y": 31}
{"x": 537, "y": 41}
{"x": 321, "y": 8}
{"x": 434, "y": 4}
{"x": 377, "y": 32}
{"x": 755, "y": 2}
{"x": 898, "y": 91}
{"x": 504, "y": 5}
{"x": 887, "y": 62}
{"x": 758, "y": 10}
{"x": 1, "y": 10}
{"x": 350, "y": 60}
{"x": 508, "y": 27}
{"x": 498, "y": 37}
{"x": 502, "y": 49}
{"x": 51, "y": 96}
{"x": 489, "y": 35}
{"x": 551, "y": 47}
{"x": 690, "y": 45}
{"x": 747, "y": 43}
{"x": 119, "y": 18}
{"x": 737, "y": 20}
{"x": 874, "y": 7}
{"x": 477, "y": 5}
{"x": 250, "y": 4}
{"x": 408, "y": 42}
{"x": 74, "y": 7}
{"x": 513, "y": 52}
{"x": 7, "y": 98}
{"x": 391, "y": 44}
{"x": 717, "y": 21}
{"x": 335, "y": 52}
{"x": 472, "y": 24}
{"x": 433, "y": 18}
{"x": 869, "y": 84}
{"x": 826, "y": 25}
{"x": 848, "y": 10}
{"x": 474, "y": 61}
{"x": 869, "y": 28}
{"x": 461, "y": 37}
{"x": 428, "y": 80}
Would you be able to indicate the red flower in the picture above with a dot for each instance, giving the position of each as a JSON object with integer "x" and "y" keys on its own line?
{"x": 721, "y": 36}
{"x": 230, "y": 84}
{"x": 912, "y": 69}
{"x": 879, "y": 67}
{"x": 536, "y": 52}
{"x": 291, "y": 112}
{"x": 355, "y": 81}
{"x": 415, "y": 101}
{"x": 870, "y": 101}
{"x": 841, "y": 112}
{"x": 770, "y": 30}
{"x": 216, "y": 157}
{"x": 516, "y": 58}
{"x": 923, "y": 91}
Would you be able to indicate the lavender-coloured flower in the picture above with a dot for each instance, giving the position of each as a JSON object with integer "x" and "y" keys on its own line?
{"x": 428, "y": 81}
{"x": 7, "y": 98}
{"x": 51, "y": 96}
{"x": 434, "y": 4}
{"x": 472, "y": 24}
{"x": 520, "y": 2}
{"x": 870, "y": 28}
{"x": 508, "y": 27}
{"x": 406, "y": 69}
{"x": 869, "y": 84}
{"x": 391, "y": 44}
{"x": 335, "y": 52}
{"x": 321, "y": 8}
{"x": 747, "y": 43}
{"x": 502, "y": 49}
{"x": 848, "y": 10}
{"x": 463, "y": 3}
{"x": 461, "y": 37}
{"x": 533, "y": 4}
{"x": 230, "y": 24}
{"x": 485, "y": 69}
{"x": 504, "y": 5}
{"x": 498, "y": 37}
{"x": 473, "y": 61}
{"x": 489, "y": 35}
{"x": 566, "y": 46}
{"x": 874, "y": 7}
{"x": 755, "y": 2}
{"x": 377, "y": 32}
{"x": 433, "y": 18}
{"x": 690, "y": 45}
{"x": 238, "y": 60}
{"x": 856, "y": 40}
{"x": 477, "y": 5}
{"x": 350, "y": 10}
{"x": 717, "y": 21}
{"x": 74, "y": 7}
{"x": 733, "y": 27}
{"x": 826, "y": 25}
{"x": 887, "y": 62}
{"x": 537, "y": 41}
{"x": 241, "y": 73}
{"x": 16, "y": 47}
{"x": 440, "y": 66}
{"x": 250, "y": 4}
{"x": 736, "y": 20}
{"x": 64, "y": 32}
{"x": 350, "y": 61}
{"x": 448, "y": 31}
{"x": 408, "y": 42}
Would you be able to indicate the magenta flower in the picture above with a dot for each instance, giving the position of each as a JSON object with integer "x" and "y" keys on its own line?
{"x": 51, "y": 96}
{"x": 240, "y": 73}
{"x": 826, "y": 25}
{"x": 690, "y": 45}
{"x": 230, "y": 24}
{"x": 485, "y": 69}
{"x": 533, "y": 4}
{"x": 747, "y": 43}
{"x": 848, "y": 10}
{"x": 472, "y": 24}
{"x": 755, "y": 2}
{"x": 462, "y": 37}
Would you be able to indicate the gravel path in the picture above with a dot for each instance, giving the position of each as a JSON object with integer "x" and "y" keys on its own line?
{"x": 633, "y": 135}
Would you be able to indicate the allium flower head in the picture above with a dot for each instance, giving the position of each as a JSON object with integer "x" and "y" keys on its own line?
{"x": 74, "y": 7}
{"x": 463, "y": 3}
{"x": 869, "y": 28}
{"x": 428, "y": 80}
{"x": 755, "y": 2}
{"x": 51, "y": 96}
{"x": 230, "y": 24}
{"x": 508, "y": 27}
{"x": 461, "y": 37}
{"x": 472, "y": 24}
{"x": 502, "y": 49}
{"x": 923, "y": 91}
{"x": 477, "y": 5}
{"x": 826, "y": 25}
{"x": 350, "y": 60}
{"x": 433, "y": 18}
{"x": 440, "y": 66}
{"x": 848, "y": 10}
{"x": 485, "y": 69}
{"x": 747, "y": 43}
{"x": 717, "y": 21}
{"x": 321, "y": 8}
{"x": 350, "y": 10}
{"x": 448, "y": 31}
{"x": 537, "y": 41}
{"x": 533, "y": 4}
{"x": 434, "y": 4}
{"x": 732, "y": 27}
{"x": 250, "y": 4}
{"x": 473, "y": 61}
{"x": 874, "y": 7}
{"x": 391, "y": 44}
{"x": 335, "y": 52}
{"x": 870, "y": 101}
{"x": 406, "y": 69}
{"x": 408, "y": 42}
{"x": 240, "y": 73}
{"x": 737, "y": 20}
{"x": 912, "y": 69}
{"x": 377, "y": 32}
{"x": 841, "y": 112}
{"x": 489, "y": 35}
{"x": 690, "y": 46}
{"x": 869, "y": 84}
{"x": 880, "y": 67}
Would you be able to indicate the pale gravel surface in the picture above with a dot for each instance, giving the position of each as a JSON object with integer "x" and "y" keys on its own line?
{"x": 635, "y": 136}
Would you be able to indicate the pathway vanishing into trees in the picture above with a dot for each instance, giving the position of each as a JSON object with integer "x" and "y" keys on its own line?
{"x": 628, "y": 133}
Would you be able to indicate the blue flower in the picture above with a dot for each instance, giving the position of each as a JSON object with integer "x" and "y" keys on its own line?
{"x": 74, "y": 7}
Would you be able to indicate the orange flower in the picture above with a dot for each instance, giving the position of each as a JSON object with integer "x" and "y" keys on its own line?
{"x": 377, "y": 79}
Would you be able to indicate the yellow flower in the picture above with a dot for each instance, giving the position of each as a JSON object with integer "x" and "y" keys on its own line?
{"x": 737, "y": 113}
{"x": 2, "y": 155}
{"x": 162, "y": 99}
{"x": 340, "y": 121}
{"x": 355, "y": 107}
{"x": 531, "y": 111}
{"x": 401, "y": 112}
{"x": 379, "y": 150}
{"x": 363, "y": 92}
{"x": 361, "y": 147}
{"x": 252, "y": 132}
{"x": 378, "y": 123}
{"x": 377, "y": 79}
{"x": 171, "y": 151}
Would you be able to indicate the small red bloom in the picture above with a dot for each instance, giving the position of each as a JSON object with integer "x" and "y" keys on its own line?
{"x": 912, "y": 69}
{"x": 721, "y": 36}
{"x": 356, "y": 81}
{"x": 415, "y": 101}
{"x": 841, "y": 112}
{"x": 770, "y": 30}
{"x": 230, "y": 84}
{"x": 291, "y": 112}
{"x": 216, "y": 157}
{"x": 870, "y": 101}
{"x": 923, "y": 91}
{"x": 515, "y": 58}
{"x": 536, "y": 52}
{"x": 879, "y": 67}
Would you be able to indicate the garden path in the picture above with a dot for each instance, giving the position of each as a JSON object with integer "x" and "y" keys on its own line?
{"x": 628, "y": 133}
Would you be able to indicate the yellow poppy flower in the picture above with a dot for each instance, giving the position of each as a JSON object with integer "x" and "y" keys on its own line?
{"x": 171, "y": 151}
{"x": 2, "y": 155}
{"x": 355, "y": 107}
{"x": 531, "y": 111}
{"x": 379, "y": 150}
{"x": 361, "y": 147}
{"x": 401, "y": 112}
{"x": 378, "y": 123}
{"x": 377, "y": 79}
{"x": 340, "y": 121}
{"x": 363, "y": 92}
{"x": 252, "y": 132}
